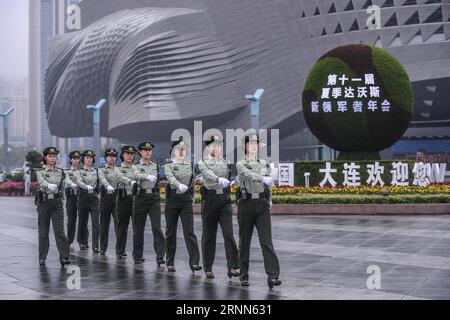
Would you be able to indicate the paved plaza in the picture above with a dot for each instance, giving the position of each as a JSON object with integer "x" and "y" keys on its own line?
{"x": 321, "y": 257}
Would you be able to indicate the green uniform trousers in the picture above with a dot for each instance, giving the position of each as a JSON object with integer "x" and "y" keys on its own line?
{"x": 180, "y": 206}
{"x": 147, "y": 204}
{"x": 52, "y": 210}
{"x": 107, "y": 210}
{"x": 124, "y": 213}
{"x": 71, "y": 210}
{"x": 251, "y": 213}
{"x": 88, "y": 204}
{"x": 216, "y": 209}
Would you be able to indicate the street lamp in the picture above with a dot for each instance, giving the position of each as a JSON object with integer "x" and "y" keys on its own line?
{"x": 254, "y": 104}
{"x": 5, "y": 117}
{"x": 96, "y": 112}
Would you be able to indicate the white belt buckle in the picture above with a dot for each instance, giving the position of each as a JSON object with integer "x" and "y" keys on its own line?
{"x": 255, "y": 195}
{"x": 148, "y": 191}
{"x": 219, "y": 191}
{"x": 51, "y": 196}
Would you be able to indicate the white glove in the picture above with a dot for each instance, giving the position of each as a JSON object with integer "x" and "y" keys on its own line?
{"x": 224, "y": 182}
{"x": 183, "y": 188}
{"x": 52, "y": 187}
{"x": 110, "y": 189}
{"x": 90, "y": 189}
{"x": 270, "y": 205}
{"x": 151, "y": 178}
{"x": 73, "y": 186}
{"x": 267, "y": 181}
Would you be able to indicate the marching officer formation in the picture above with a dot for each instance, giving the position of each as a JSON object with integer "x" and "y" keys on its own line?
{"x": 108, "y": 198}
{"x": 147, "y": 201}
{"x": 72, "y": 196}
{"x": 124, "y": 206}
{"x": 89, "y": 180}
{"x": 254, "y": 203}
{"x": 179, "y": 199}
{"x": 49, "y": 203}
{"x": 131, "y": 191}
{"x": 216, "y": 208}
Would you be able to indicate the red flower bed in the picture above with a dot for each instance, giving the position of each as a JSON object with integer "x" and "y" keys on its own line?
{"x": 16, "y": 186}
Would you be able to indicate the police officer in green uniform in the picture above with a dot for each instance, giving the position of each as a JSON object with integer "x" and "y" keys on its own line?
{"x": 108, "y": 198}
{"x": 147, "y": 201}
{"x": 89, "y": 181}
{"x": 216, "y": 208}
{"x": 125, "y": 199}
{"x": 254, "y": 203}
{"x": 50, "y": 206}
{"x": 72, "y": 196}
{"x": 179, "y": 197}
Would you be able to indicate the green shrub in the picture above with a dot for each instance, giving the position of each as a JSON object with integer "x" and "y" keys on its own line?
{"x": 367, "y": 132}
{"x": 361, "y": 199}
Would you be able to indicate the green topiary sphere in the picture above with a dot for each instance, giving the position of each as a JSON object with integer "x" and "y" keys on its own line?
{"x": 373, "y": 118}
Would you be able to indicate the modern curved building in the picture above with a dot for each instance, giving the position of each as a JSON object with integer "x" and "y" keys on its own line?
{"x": 161, "y": 64}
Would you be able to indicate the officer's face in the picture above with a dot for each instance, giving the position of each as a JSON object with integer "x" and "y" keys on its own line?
{"x": 88, "y": 160}
{"x": 180, "y": 153}
{"x": 252, "y": 147}
{"x": 128, "y": 157}
{"x": 146, "y": 154}
{"x": 111, "y": 160}
{"x": 75, "y": 162}
{"x": 215, "y": 149}
{"x": 51, "y": 159}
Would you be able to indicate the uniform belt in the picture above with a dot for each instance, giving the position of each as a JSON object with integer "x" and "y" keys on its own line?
{"x": 150, "y": 191}
{"x": 51, "y": 196}
{"x": 74, "y": 191}
{"x": 261, "y": 195}
{"x": 217, "y": 191}
{"x": 176, "y": 191}
{"x": 87, "y": 192}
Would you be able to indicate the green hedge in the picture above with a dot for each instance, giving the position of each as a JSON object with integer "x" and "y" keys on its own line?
{"x": 361, "y": 199}
{"x": 316, "y": 177}
{"x": 352, "y": 199}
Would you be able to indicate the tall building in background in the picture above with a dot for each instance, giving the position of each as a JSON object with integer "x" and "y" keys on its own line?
{"x": 47, "y": 19}
{"x": 161, "y": 64}
{"x": 2, "y": 89}
{"x": 19, "y": 120}
{"x": 15, "y": 94}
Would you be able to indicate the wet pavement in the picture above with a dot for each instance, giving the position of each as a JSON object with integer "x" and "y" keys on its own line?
{"x": 321, "y": 257}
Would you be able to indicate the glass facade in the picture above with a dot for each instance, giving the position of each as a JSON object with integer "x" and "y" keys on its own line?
{"x": 46, "y": 34}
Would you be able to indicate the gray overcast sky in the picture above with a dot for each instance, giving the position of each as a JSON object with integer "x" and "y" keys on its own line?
{"x": 13, "y": 39}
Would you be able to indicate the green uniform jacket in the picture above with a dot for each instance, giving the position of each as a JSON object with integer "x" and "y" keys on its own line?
{"x": 179, "y": 173}
{"x": 142, "y": 171}
{"x": 113, "y": 176}
{"x": 57, "y": 176}
{"x": 71, "y": 173}
{"x": 212, "y": 169}
{"x": 127, "y": 175}
{"x": 88, "y": 177}
{"x": 251, "y": 173}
